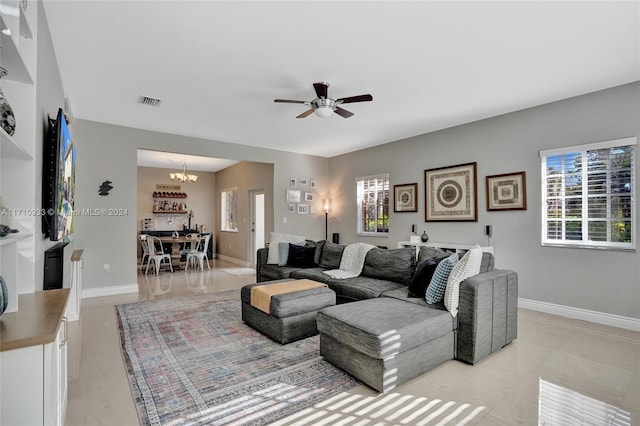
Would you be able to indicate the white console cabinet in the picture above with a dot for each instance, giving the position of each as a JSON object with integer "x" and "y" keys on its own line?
{"x": 33, "y": 361}
{"x": 452, "y": 247}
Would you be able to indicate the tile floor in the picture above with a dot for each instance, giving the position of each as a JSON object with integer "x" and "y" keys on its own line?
{"x": 570, "y": 366}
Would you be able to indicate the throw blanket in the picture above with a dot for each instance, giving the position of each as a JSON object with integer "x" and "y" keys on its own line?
{"x": 352, "y": 261}
{"x": 261, "y": 294}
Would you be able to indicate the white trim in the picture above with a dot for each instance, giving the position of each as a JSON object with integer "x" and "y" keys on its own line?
{"x": 88, "y": 293}
{"x": 234, "y": 260}
{"x": 380, "y": 176}
{"x": 604, "y": 318}
{"x": 590, "y": 146}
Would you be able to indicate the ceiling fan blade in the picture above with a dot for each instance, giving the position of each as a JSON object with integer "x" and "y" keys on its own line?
{"x": 351, "y": 99}
{"x": 289, "y": 101}
{"x": 343, "y": 112}
{"x": 321, "y": 89}
{"x": 306, "y": 113}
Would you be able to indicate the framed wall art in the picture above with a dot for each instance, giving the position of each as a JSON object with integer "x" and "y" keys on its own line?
{"x": 303, "y": 208}
{"x": 507, "y": 191}
{"x": 404, "y": 197}
{"x": 293, "y": 196}
{"x": 451, "y": 193}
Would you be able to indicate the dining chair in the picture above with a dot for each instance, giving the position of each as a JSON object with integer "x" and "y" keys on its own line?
{"x": 142, "y": 240}
{"x": 156, "y": 255}
{"x": 189, "y": 246}
{"x": 201, "y": 254}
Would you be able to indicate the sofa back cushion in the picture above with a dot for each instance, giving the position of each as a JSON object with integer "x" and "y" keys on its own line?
{"x": 301, "y": 256}
{"x": 319, "y": 245}
{"x": 331, "y": 255}
{"x": 428, "y": 252}
{"x": 421, "y": 278}
{"x": 393, "y": 265}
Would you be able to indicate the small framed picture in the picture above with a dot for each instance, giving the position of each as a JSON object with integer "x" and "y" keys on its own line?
{"x": 292, "y": 208}
{"x": 304, "y": 182}
{"x": 312, "y": 183}
{"x": 308, "y": 196}
{"x": 507, "y": 191}
{"x": 293, "y": 182}
{"x": 303, "y": 208}
{"x": 293, "y": 196}
{"x": 405, "y": 197}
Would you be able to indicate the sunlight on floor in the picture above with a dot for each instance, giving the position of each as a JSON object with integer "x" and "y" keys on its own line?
{"x": 348, "y": 409}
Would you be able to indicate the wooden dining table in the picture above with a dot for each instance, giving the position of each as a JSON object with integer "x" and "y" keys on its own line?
{"x": 175, "y": 247}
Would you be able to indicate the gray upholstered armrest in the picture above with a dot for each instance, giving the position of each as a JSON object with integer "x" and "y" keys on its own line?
{"x": 488, "y": 314}
{"x": 263, "y": 255}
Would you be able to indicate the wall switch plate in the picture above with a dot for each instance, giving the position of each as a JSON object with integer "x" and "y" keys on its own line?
{"x": 107, "y": 267}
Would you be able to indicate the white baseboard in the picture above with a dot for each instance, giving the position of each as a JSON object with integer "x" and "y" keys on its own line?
{"x": 88, "y": 293}
{"x": 581, "y": 314}
{"x": 233, "y": 260}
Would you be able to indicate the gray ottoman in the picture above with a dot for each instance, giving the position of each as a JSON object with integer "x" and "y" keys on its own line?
{"x": 385, "y": 342}
{"x": 293, "y": 315}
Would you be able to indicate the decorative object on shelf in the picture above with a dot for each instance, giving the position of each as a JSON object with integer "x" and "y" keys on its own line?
{"x": 7, "y": 119}
{"x": 451, "y": 193}
{"x": 105, "y": 188}
{"x": 4, "y": 296}
{"x": 164, "y": 194}
{"x": 183, "y": 176}
{"x": 507, "y": 191}
{"x": 405, "y": 198}
{"x": 5, "y": 230}
{"x": 424, "y": 237}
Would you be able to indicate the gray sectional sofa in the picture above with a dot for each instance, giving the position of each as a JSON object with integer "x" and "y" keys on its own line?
{"x": 356, "y": 337}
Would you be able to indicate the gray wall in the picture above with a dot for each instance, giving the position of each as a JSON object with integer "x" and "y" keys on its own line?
{"x": 604, "y": 281}
{"x": 109, "y": 152}
{"x": 246, "y": 176}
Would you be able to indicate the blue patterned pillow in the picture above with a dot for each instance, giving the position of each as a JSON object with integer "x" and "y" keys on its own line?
{"x": 438, "y": 284}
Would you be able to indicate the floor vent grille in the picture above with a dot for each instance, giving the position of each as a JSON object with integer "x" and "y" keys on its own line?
{"x": 146, "y": 100}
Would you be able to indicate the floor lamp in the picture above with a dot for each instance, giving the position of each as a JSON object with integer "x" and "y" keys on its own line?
{"x": 327, "y": 202}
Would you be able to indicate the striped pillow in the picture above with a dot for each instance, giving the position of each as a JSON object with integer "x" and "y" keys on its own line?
{"x": 438, "y": 284}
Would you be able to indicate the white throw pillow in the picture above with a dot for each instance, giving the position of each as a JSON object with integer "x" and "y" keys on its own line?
{"x": 467, "y": 267}
{"x": 274, "y": 249}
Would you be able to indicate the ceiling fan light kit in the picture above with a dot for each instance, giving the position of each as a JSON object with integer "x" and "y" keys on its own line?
{"x": 323, "y": 106}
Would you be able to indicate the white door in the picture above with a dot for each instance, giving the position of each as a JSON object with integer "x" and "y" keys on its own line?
{"x": 257, "y": 224}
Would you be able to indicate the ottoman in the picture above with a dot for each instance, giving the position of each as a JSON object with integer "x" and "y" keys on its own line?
{"x": 292, "y": 315}
{"x": 385, "y": 342}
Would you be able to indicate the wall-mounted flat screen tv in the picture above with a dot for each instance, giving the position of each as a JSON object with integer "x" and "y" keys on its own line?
{"x": 58, "y": 180}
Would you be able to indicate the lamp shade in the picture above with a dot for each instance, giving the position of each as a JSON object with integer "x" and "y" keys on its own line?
{"x": 323, "y": 111}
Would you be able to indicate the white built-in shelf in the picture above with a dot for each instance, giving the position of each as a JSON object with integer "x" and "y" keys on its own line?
{"x": 10, "y": 149}
{"x": 12, "y": 59}
{"x": 14, "y": 238}
{"x": 452, "y": 247}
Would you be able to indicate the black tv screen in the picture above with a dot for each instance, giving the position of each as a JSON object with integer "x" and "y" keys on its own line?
{"x": 58, "y": 180}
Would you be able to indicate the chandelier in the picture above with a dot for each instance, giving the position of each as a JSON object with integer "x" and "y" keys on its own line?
{"x": 183, "y": 176}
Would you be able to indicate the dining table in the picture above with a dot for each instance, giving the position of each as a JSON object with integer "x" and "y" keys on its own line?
{"x": 175, "y": 247}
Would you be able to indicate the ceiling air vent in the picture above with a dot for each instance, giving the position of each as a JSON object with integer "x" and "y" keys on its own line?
{"x": 146, "y": 100}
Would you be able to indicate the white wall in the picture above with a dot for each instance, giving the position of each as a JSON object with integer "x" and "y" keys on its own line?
{"x": 603, "y": 281}
{"x": 109, "y": 152}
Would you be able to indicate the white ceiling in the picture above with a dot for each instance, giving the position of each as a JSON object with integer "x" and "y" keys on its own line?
{"x": 218, "y": 66}
{"x": 170, "y": 160}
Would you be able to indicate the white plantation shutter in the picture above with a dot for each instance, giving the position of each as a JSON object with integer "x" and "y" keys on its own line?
{"x": 229, "y": 209}
{"x": 373, "y": 204}
{"x": 588, "y": 195}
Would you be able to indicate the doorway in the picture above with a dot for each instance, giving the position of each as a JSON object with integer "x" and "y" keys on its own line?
{"x": 256, "y": 206}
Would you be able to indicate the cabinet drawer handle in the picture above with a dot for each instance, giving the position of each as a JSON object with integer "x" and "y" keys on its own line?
{"x": 65, "y": 321}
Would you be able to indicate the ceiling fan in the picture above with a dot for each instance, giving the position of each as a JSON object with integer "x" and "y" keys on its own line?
{"x": 324, "y": 106}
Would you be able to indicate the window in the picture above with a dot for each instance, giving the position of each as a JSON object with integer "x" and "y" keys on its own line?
{"x": 373, "y": 205}
{"x": 229, "y": 210}
{"x": 588, "y": 195}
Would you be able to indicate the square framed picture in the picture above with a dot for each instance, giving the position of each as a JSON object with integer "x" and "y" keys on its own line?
{"x": 404, "y": 197}
{"x": 451, "y": 194}
{"x": 308, "y": 196}
{"x": 303, "y": 182}
{"x": 303, "y": 208}
{"x": 507, "y": 191}
{"x": 293, "y": 196}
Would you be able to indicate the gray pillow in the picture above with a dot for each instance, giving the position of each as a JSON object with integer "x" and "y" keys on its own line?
{"x": 429, "y": 252}
{"x": 331, "y": 255}
{"x": 318, "y": 245}
{"x": 393, "y": 265}
{"x": 283, "y": 252}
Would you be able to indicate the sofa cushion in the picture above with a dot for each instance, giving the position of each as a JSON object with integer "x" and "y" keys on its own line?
{"x": 295, "y": 303}
{"x": 301, "y": 256}
{"x": 467, "y": 267}
{"x": 274, "y": 272}
{"x": 428, "y": 252}
{"x": 422, "y": 278}
{"x": 438, "y": 284}
{"x": 393, "y": 265}
{"x": 331, "y": 255}
{"x": 318, "y": 245}
{"x": 486, "y": 264}
{"x": 283, "y": 255}
{"x": 360, "y": 288}
{"x": 274, "y": 249}
{"x": 315, "y": 274}
{"x": 383, "y": 327}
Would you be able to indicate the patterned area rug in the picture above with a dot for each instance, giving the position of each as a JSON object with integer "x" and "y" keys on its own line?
{"x": 191, "y": 360}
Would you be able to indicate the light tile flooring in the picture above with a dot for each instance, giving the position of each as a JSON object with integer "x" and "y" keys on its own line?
{"x": 578, "y": 365}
